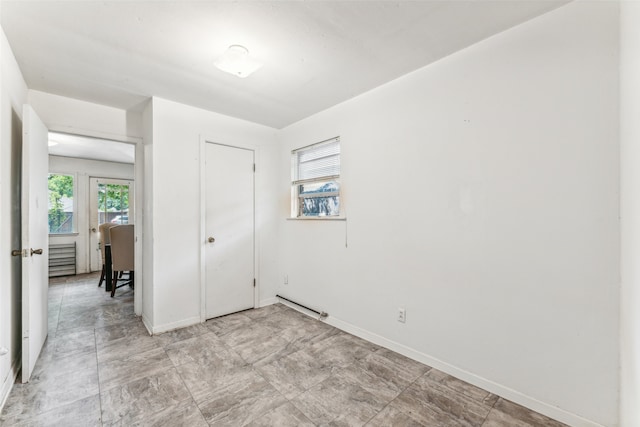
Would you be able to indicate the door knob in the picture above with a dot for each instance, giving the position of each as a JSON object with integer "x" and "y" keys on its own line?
{"x": 211, "y": 239}
{"x": 93, "y": 230}
{"x": 36, "y": 251}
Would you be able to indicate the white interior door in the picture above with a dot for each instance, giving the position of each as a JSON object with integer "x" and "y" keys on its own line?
{"x": 229, "y": 228}
{"x": 35, "y": 239}
{"x": 110, "y": 200}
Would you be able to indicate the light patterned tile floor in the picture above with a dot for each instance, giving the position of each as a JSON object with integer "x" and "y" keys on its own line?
{"x": 267, "y": 367}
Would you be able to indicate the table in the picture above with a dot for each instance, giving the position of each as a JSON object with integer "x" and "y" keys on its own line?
{"x": 108, "y": 273}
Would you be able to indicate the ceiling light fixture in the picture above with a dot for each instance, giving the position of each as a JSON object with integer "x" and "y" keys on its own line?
{"x": 236, "y": 61}
{"x": 52, "y": 143}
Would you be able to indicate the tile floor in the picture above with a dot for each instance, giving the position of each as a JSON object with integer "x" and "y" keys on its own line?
{"x": 267, "y": 367}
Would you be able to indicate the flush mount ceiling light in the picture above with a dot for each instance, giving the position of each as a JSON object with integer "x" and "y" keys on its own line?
{"x": 236, "y": 61}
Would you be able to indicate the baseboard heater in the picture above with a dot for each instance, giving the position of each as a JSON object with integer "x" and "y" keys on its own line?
{"x": 322, "y": 314}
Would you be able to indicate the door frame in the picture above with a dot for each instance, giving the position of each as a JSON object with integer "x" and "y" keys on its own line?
{"x": 138, "y": 185}
{"x": 256, "y": 218}
{"x": 93, "y": 202}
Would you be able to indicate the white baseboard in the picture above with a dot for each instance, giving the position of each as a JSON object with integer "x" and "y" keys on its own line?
{"x": 495, "y": 388}
{"x": 268, "y": 301}
{"x": 175, "y": 325}
{"x": 147, "y": 324}
{"x": 9, "y": 381}
{"x": 502, "y": 391}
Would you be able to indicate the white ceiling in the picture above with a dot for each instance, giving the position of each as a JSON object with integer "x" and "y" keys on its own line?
{"x": 61, "y": 144}
{"x": 316, "y": 54}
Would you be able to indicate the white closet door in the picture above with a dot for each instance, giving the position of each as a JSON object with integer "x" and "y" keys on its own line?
{"x": 229, "y": 229}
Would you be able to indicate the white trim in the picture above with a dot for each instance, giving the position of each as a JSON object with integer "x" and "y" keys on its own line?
{"x": 92, "y": 196}
{"x": 268, "y": 301}
{"x": 95, "y": 160}
{"x": 257, "y": 174}
{"x": 203, "y": 275}
{"x": 176, "y": 325}
{"x": 256, "y": 219}
{"x": 70, "y": 130}
{"x": 147, "y": 324}
{"x": 327, "y": 178}
{"x": 317, "y": 218}
{"x": 138, "y": 220}
{"x": 10, "y": 380}
{"x": 115, "y": 181}
{"x": 333, "y": 139}
{"x": 495, "y": 388}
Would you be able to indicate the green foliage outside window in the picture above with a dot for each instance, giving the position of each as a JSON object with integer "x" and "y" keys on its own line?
{"x": 60, "y": 197}
{"x": 113, "y": 198}
{"x": 113, "y": 203}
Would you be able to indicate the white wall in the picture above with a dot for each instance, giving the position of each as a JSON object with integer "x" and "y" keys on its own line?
{"x": 481, "y": 194}
{"x": 73, "y": 116}
{"x": 177, "y": 130}
{"x": 83, "y": 170}
{"x": 13, "y": 94}
{"x": 630, "y": 212}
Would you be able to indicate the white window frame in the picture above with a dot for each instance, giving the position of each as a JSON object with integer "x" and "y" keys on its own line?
{"x": 296, "y": 184}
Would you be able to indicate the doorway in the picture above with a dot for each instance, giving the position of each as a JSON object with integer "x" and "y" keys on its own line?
{"x": 116, "y": 162}
{"x": 229, "y": 224}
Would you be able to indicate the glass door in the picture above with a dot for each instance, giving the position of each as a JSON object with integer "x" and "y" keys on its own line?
{"x": 111, "y": 201}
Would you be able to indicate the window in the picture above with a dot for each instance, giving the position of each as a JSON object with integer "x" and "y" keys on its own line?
{"x": 315, "y": 180}
{"x": 61, "y": 206}
{"x": 113, "y": 203}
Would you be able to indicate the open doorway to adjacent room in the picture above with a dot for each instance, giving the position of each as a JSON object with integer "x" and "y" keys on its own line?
{"x": 91, "y": 181}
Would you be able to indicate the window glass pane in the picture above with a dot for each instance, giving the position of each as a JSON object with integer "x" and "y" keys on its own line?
{"x": 61, "y": 215}
{"x": 320, "y": 206}
{"x": 319, "y": 199}
{"x": 102, "y": 203}
{"x": 113, "y": 203}
{"x": 117, "y": 204}
{"x": 317, "y": 188}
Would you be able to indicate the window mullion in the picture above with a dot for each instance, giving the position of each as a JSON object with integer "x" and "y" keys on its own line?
{"x": 313, "y": 180}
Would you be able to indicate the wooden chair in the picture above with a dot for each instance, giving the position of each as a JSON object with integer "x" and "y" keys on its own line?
{"x": 104, "y": 240}
{"x": 122, "y": 254}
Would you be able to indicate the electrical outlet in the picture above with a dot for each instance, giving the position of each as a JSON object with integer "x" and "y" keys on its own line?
{"x": 286, "y": 279}
{"x": 402, "y": 315}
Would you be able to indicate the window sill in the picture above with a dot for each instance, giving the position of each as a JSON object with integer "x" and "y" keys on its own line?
{"x": 63, "y": 234}
{"x": 318, "y": 218}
